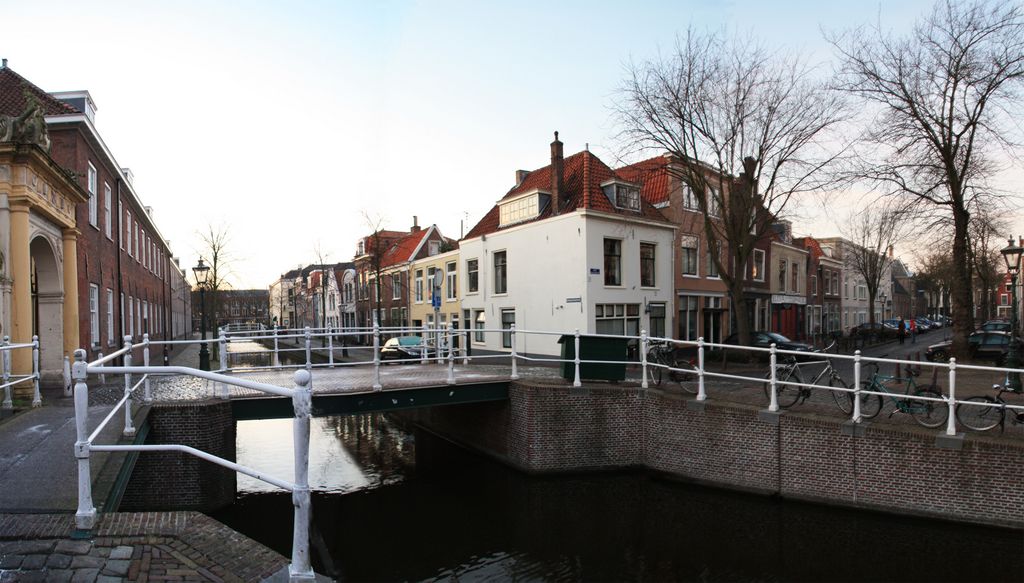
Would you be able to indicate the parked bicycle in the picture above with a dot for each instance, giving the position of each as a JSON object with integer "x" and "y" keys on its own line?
{"x": 906, "y": 396}
{"x": 789, "y": 372}
{"x": 984, "y": 412}
{"x": 668, "y": 366}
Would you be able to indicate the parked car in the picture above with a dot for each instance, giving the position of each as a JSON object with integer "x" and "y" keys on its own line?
{"x": 766, "y": 339}
{"x": 406, "y": 348}
{"x": 995, "y": 325}
{"x": 925, "y": 324}
{"x": 879, "y": 330}
{"x": 983, "y": 345}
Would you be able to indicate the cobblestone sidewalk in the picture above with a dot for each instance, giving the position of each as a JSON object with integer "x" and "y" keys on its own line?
{"x": 131, "y": 547}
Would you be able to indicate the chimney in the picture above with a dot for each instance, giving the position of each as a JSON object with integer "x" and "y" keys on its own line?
{"x": 415, "y": 225}
{"x": 557, "y": 176}
{"x": 890, "y": 251}
{"x": 521, "y": 176}
{"x": 4, "y": 65}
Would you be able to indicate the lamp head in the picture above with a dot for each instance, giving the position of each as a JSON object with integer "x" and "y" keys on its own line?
{"x": 201, "y": 272}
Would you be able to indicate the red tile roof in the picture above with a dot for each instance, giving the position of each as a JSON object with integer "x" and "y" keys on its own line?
{"x": 403, "y": 249}
{"x": 583, "y": 174}
{"x": 811, "y": 244}
{"x": 12, "y": 96}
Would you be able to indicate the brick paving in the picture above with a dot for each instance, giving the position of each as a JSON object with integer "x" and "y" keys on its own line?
{"x": 131, "y": 547}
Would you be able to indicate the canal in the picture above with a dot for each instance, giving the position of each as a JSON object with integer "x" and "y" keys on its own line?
{"x": 398, "y": 504}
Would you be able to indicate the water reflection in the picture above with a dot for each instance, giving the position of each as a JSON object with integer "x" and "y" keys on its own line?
{"x": 421, "y": 509}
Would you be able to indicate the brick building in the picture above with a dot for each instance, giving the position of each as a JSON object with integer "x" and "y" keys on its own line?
{"x": 234, "y": 307}
{"x": 125, "y": 279}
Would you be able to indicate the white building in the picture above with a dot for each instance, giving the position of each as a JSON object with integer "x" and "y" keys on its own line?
{"x": 572, "y": 245}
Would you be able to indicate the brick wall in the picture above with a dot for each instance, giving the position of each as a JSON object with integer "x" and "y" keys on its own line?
{"x": 796, "y": 455}
{"x": 179, "y": 481}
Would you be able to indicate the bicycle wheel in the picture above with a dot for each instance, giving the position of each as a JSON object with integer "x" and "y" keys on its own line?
{"x": 787, "y": 394}
{"x": 656, "y": 370}
{"x": 929, "y": 413}
{"x": 843, "y": 399}
{"x": 685, "y": 376}
{"x": 870, "y": 405}
{"x": 981, "y": 416}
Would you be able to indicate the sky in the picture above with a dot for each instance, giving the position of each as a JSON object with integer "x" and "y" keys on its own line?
{"x": 294, "y": 126}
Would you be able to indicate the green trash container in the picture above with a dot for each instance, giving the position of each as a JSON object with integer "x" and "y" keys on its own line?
{"x": 594, "y": 348}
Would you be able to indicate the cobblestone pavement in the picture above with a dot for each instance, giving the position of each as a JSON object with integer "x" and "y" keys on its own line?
{"x": 131, "y": 547}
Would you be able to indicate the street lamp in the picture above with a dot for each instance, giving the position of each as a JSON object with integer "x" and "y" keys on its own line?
{"x": 201, "y": 271}
{"x": 1012, "y": 255}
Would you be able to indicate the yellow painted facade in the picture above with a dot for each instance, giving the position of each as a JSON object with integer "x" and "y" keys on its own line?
{"x": 421, "y": 310}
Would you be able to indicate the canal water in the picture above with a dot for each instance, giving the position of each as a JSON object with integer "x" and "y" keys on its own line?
{"x": 394, "y": 504}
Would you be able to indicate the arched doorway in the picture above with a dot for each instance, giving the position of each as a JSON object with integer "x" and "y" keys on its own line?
{"x": 47, "y": 306}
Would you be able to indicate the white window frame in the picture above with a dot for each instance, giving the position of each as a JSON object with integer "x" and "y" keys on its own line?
{"x": 110, "y": 317}
{"x": 500, "y": 275}
{"x": 759, "y": 259}
{"x": 418, "y": 286}
{"x": 472, "y": 275}
{"x": 451, "y": 280}
{"x": 93, "y": 179}
{"x": 683, "y": 255}
{"x": 108, "y": 218}
{"x": 396, "y": 287}
{"x": 94, "y": 314}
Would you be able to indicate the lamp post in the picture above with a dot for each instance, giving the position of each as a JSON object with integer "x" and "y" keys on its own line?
{"x": 201, "y": 271}
{"x": 1012, "y": 255}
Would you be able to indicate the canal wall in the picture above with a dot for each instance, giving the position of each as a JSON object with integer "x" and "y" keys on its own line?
{"x": 906, "y": 470}
{"x": 180, "y": 481}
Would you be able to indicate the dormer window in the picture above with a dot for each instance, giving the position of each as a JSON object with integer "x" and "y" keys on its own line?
{"x": 623, "y": 196}
{"x": 521, "y": 208}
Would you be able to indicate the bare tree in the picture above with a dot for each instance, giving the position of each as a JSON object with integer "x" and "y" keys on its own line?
{"x": 744, "y": 126}
{"x": 944, "y": 100}
{"x": 933, "y": 276}
{"x": 375, "y": 249}
{"x": 986, "y": 261}
{"x": 873, "y": 231}
{"x": 321, "y": 259}
{"x": 217, "y": 253}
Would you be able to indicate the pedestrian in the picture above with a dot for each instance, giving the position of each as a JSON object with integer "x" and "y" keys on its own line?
{"x": 913, "y": 331}
{"x": 901, "y": 330}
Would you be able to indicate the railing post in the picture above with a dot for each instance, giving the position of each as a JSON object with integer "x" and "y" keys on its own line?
{"x": 423, "y": 341}
{"x": 308, "y": 337}
{"x": 643, "y": 359}
{"x": 66, "y": 374}
{"x": 856, "y": 387}
{"x": 129, "y": 429}
{"x": 576, "y": 361}
{"x": 465, "y": 348}
{"x": 147, "y": 395}
{"x": 773, "y": 401}
{"x": 330, "y": 347}
{"x": 277, "y": 355}
{"x": 512, "y": 335}
{"x": 376, "y": 355}
{"x": 85, "y": 518}
{"x": 222, "y": 343}
{"x": 103, "y": 377}
{"x": 950, "y": 420}
{"x": 6, "y": 363}
{"x": 451, "y": 357}
{"x": 37, "y": 399}
{"x": 439, "y": 342}
{"x": 701, "y": 393}
{"x": 301, "y": 569}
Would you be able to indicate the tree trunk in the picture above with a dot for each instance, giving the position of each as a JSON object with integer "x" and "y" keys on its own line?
{"x": 960, "y": 286}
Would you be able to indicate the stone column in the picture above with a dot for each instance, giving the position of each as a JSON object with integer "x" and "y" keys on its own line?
{"x": 21, "y": 289}
{"x": 70, "y": 266}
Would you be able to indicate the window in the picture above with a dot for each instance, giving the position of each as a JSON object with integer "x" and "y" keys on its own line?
{"x": 519, "y": 209}
{"x": 612, "y": 262}
{"x": 757, "y": 270}
{"x": 131, "y": 316}
{"x": 1003, "y": 300}
{"x": 138, "y": 317}
{"x": 431, "y": 282}
{"x": 688, "y": 318}
{"x": 814, "y": 285}
{"x": 396, "y": 287}
{"x": 145, "y": 316}
{"x": 433, "y": 248}
{"x": 473, "y": 275}
{"x": 689, "y": 199}
{"x": 795, "y": 276}
{"x": 508, "y": 319}
{"x": 478, "y": 325}
{"x": 713, "y": 253}
{"x": 128, "y": 231}
{"x": 623, "y": 196}
{"x": 714, "y": 208}
{"x": 835, "y": 283}
{"x": 108, "y": 219}
{"x": 92, "y": 195}
{"x": 452, "y": 283}
{"x": 110, "y": 317}
{"x": 122, "y": 320}
{"x": 647, "y": 276}
{"x": 94, "y": 314}
{"x": 782, "y": 274}
{"x": 617, "y": 319}
{"x": 135, "y": 236}
{"x": 419, "y": 286}
{"x": 689, "y": 254}
{"x": 500, "y": 273}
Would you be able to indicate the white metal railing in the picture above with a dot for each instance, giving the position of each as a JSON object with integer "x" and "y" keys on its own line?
{"x": 7, "y": 377}
{"x": 300, "y": 568}
{"x": 438, "y": 344}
